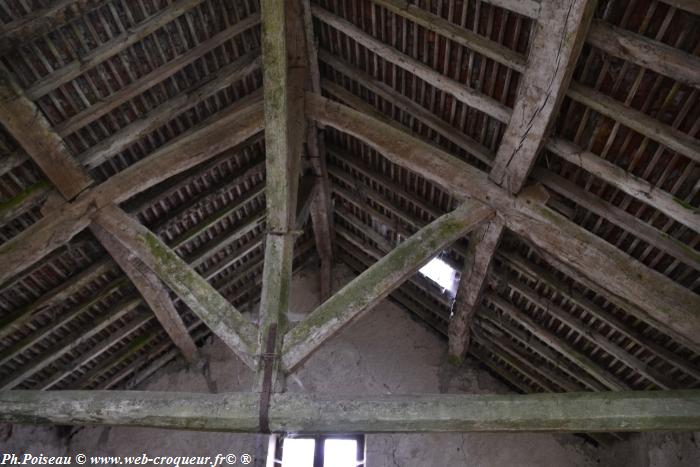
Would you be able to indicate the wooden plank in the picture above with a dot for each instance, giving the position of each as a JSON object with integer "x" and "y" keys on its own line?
{"x": 110, "y": 48}
{"x": 640, "y": 122}
{"x": 391, "y": 413}
{"x": 28, "y": 125}
{"x": 647, "y": 293}
{"x": 528, "y": 8}
{"x": 232, "y": 126}
{"x": 220, "y": 316}
{"x": 378, "y": 281}
{"x": 453, "y": 32}
{"x": 31, "y": 196}
{"x": 648, "y": 53}
{"x": 627, "y": 182}
{"x": 151, "y": 289}
{"x": 559, "y": 35}
{"x": 482, "y": 247}
{"x": 460, "y": 92}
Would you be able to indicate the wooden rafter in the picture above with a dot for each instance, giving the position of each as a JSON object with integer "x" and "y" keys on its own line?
{"x": 378, "y": 281}
{"x": 527, "y": 216}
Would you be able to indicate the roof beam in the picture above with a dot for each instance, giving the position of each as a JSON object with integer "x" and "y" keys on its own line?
{"x": 330, "y": 413}
{"x": 627, "y": 182}
{"x": 232, "y": 126}
{"x": 27, "y": 124}
{"x": 151, "y": 289}
{"x": 378, "y": 281}
{"x": 464, "y": 37}
{"x": 466, "y": 95}
{"x": 648, "y": 53}
{"x": 640, "y": 122}
{"x": 217, "y": 313}
{"x": 482, "y": 247}
{"x": 560, "y": 33}
{"x": 110, "y": 48}
{"x": 674, "y": 308}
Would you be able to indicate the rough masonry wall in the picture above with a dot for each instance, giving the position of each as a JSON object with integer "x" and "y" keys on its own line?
{"x": 383, "y": 352}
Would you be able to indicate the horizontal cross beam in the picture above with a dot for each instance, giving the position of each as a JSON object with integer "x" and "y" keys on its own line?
{"x": 325, "y": 413}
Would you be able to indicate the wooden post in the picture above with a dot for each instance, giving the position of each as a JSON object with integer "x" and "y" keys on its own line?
{"x": 378, "y": 281}
{"x": 392, "y": 413}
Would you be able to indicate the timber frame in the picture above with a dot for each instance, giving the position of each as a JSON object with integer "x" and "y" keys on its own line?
{"x": 191, "y": 186}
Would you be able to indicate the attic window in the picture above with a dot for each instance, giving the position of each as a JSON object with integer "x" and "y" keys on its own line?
{"x": 442, "y": 274}
{"x": 320, "y": 451}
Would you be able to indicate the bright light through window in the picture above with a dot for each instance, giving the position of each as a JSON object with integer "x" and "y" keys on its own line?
{"x": 298, "y": 452}
{"x": 441, "y": 273}
{"x": 340, "y": 453}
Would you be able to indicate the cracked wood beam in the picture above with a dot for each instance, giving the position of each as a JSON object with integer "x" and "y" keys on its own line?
{"x": 648, "y": 53}
{"x": 482, "y": 248}
{"x": 218, "y": 314}
{"x": 390, "y": 413}
{"x": 27, "y": 124}
{"x": 321, "y": 207}
{"x": 643, "y": 292}
{"x": 466, "y": 95}
{"x": 233, "y": 126}
{"x": 151, "y": 289}
{"x": 560, "y": 32}
{"x": 378, "y": 281}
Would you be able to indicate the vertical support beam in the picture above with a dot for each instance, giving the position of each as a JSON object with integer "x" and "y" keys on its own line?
{"x": 482, "y": 247}
{"x": 561, "y": 31}
{"x": 25, "y": 122}
{"x": 321, "y": 204}
{"x": 152, "y": 290}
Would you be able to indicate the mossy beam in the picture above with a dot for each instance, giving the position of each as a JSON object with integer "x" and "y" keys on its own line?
{"x": 559, "y": 34}
{"x": 219, "y": 315}
{"x": 232, "y": 126}
{"x": 650, "y": 295}
{"x": 321, "y": 413}
{"x": 379, "y": 281}
{"x": 28, "y": 125}
{"x": 283, "y": 85}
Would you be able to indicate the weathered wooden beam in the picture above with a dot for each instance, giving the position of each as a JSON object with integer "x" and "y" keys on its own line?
{"x": 528, "y": 8}
{"x": 329, "y": 413}
{"x": 467, "y": 96}
{"x": 648, "y": 53}
{"x": 562, "y": 346}
{"x": 27, "y": 124}
{"x": 560, "y": 33}
{"x": 163, "y": 113}
{"x": 151, "y": 289}
{"x": 378, "y": 281}
{"x": 70, "y": 343}
{"x": 651, "y": 295}
{"x": 482, "y": 247}
{"x": 627, "y": 182}
{"x": 110, "y": 48}
{"x": 221, "y": 317}
{"x": 31, "y": 196}
{"x": 636, "y": 120}
{"x": 149, "y": 80}
{"x": 321, "y": 207}
{"x": 232, "y": 126}
{"x": 40, "y": 22}
{"x": 453, "y": 32}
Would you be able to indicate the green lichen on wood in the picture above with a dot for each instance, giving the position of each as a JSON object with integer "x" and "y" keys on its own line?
{"x": 13, "y": 203}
